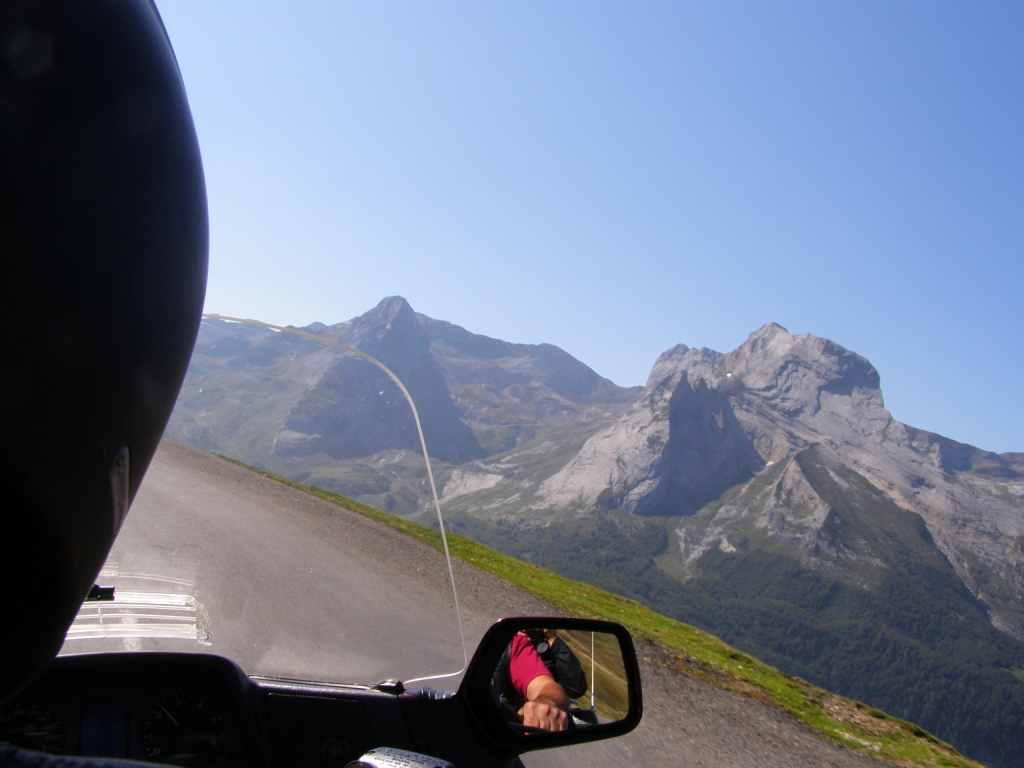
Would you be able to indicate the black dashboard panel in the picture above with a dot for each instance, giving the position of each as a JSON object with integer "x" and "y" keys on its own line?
{"x": 197, "y": 711}
{"x": 314, "y": 725}
{"x": 188, "y": 709}
{"x": 316, "y": 731}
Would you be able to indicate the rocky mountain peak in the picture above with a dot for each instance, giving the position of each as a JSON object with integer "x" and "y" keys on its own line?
{"x": 387, "y": 310}
{"x": 789, "y": 373}
{"x": 794, "y": 370}
{"x": 670, "y": 361}
{"x": 672, "y": 355}
{"x": 393, "y": 318}
{"x": 352, "y": 410}
{"x": 765, "y": 335}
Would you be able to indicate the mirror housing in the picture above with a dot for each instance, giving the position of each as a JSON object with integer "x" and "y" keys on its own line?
{"x": 476, "y": 698}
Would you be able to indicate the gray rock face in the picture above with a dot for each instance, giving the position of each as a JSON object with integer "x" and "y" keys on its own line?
{"x": 355, "y": 410}
{"x": 679, "y": 447}
{"x": 706, "y": 422}
{"x": 814, "y": 508}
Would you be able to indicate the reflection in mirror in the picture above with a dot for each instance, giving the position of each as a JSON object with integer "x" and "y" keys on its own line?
{"x": 556, "y": 680}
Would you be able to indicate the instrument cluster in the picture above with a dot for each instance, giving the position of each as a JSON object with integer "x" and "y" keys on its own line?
{"x": 184, "y": 712}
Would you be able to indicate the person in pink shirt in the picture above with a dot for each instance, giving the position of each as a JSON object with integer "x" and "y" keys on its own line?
{"x": 526, "y": 684}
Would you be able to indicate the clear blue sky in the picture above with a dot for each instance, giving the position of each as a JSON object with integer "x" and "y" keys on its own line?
{"x": 619, "y": 178}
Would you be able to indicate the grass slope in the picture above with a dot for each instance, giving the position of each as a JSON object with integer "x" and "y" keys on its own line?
{"x": 696, "y": 653}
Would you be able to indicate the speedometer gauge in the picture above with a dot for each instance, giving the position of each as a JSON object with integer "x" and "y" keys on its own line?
{"x": 31, "y": 725}
{"x": 186, "y": 729}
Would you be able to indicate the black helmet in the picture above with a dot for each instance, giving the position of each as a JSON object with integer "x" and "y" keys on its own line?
{"x": 104, "y": 238}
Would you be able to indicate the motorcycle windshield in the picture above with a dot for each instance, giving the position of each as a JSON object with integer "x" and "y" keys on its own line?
{"x": 216, "y": 558}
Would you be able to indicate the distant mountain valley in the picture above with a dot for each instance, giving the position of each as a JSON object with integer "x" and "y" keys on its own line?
{"x": 765, "y": 495}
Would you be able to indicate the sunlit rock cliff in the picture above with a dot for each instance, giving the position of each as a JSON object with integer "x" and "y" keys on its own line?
{"x": 707, "y": 422}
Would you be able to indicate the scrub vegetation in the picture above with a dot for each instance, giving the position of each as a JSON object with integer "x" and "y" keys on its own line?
{"x": 695, "y": 652}
{"x": 608, "y": 691}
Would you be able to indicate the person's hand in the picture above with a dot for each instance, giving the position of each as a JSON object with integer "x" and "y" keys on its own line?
{"x": 546, "y": 705}
{"x": 542, "y": 714}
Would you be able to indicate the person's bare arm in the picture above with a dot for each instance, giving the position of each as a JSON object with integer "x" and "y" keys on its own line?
{"x": 547, "y": 705}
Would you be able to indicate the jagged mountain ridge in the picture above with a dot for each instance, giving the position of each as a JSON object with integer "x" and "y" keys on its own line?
{"x": 320, "y": 415}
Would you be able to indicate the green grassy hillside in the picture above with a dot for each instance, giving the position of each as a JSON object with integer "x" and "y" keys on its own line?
{"x": 695, "y": 652}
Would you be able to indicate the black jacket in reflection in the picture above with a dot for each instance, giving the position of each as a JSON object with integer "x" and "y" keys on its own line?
{"x": 564, "y": 667}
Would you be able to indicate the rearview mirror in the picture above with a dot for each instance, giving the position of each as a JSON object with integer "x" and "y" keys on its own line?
{"x": 539, "y": 682}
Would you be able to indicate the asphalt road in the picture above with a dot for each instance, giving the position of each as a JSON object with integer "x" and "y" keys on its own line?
{"x": 293, "y": 586}
{"x": 298, "y": 587}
